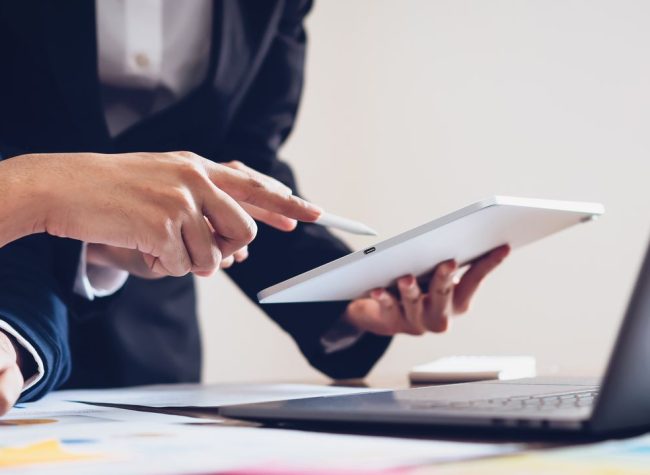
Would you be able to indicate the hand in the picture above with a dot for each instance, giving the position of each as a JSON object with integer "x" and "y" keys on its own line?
{"x": 11, "y": 379}
{"x": 135, "y": 262}
{"x": 179, "y": 210}
{"x": 415, "y": 312}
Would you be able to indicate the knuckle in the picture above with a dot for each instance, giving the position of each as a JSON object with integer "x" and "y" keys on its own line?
{"x": 255, "y": 184}
{"x": 189, "y": 167}
{"x": 190, "y": 171}
{"x": 181, "y": 203}
{"x": 249, "y": 232}
{"x": 186, "y": 265}
{"x": 182, "y": 265}
{"x": 161, "y": 236}
{"x": 187, "y": 155}
{"x": 210, "y": 263}
{"x": 210, "y": 260}
{"x": 217, "y": 259}
{"x": 236, "y": 164}
{"x": 160, "y": 231}
{"x": 217, "y": 256}
{"x": 251, "y": 189}
{"x": 181, "y": 271}
{"x": 166, "y": 227}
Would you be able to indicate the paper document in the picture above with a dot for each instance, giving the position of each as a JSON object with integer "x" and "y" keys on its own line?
{"x": 55, "y": 436}
{"x": 204, "y": 395}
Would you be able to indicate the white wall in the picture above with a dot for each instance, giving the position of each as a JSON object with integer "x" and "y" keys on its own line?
{"x": 414, "y": 108}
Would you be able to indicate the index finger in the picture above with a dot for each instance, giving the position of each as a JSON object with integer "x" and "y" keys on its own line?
{"x": 233, "y": 227}
{"x": 251, "y": 189}
{"x": 270, "y": 181}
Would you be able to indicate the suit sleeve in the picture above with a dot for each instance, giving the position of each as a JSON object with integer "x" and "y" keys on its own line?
{"x": 7, "y": 151}
{"x": 32, "y": 303}
{"x": 261, "y": 125}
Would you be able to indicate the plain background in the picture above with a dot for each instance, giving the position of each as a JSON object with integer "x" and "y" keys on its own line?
{"x": 413, "y": 108}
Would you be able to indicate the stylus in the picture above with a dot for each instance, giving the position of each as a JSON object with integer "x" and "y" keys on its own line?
{"x": 344, "y": 224}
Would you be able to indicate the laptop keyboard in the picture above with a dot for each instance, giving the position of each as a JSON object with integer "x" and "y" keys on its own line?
{"x": 542, "y": 403}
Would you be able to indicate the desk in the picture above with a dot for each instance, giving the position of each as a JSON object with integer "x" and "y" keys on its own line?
{"x": 105, "y": 437}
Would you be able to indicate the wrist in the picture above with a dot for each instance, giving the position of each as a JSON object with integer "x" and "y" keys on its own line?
{"x": 23, "y": 213}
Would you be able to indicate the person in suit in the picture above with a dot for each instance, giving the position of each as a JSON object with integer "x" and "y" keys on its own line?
{"x": 95, "y": 98}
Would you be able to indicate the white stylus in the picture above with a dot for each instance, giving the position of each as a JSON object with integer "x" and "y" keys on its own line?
{"x": 344, "y": 224}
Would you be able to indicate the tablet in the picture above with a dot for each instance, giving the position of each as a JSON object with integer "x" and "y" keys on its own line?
{"x": 462, "y": 235}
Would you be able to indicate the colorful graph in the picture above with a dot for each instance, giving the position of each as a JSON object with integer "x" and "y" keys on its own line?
{"x": 48, "y": 451}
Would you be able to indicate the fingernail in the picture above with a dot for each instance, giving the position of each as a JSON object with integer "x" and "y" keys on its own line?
{"x": 376, "y": 294}
{"x": 313, "y": 208}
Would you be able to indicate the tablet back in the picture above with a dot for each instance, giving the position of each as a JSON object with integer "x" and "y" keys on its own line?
{"x": 462, "y": 235}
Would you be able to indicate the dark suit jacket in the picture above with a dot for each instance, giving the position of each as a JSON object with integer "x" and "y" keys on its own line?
{"x": 50, "y": 101}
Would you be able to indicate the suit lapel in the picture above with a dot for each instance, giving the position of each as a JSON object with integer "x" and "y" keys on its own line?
{"x": 242, "y": 34}
{"x": 72, "y": 48}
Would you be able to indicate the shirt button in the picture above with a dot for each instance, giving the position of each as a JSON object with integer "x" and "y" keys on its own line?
{"x": 142, "y": 60}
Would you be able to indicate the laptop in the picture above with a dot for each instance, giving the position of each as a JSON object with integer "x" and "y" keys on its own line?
{"x": 620, "y": 403}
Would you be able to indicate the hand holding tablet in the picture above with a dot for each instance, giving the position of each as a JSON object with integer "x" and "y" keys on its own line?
{"x": 417, "y": 308}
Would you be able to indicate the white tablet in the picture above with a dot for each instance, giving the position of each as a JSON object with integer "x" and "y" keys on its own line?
{"x": 462, "y": 235}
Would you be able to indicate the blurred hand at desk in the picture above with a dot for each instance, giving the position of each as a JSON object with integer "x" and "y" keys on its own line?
{"x": 11, "y": 378}
{"x": 414, "y": 310}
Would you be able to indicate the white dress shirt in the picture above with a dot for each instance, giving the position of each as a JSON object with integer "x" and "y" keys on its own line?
{"x": 159, "y": 49}
{"x": 151, "y": 53}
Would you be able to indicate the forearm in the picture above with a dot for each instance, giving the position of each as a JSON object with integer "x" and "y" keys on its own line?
{"x": 20, "y": 211}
